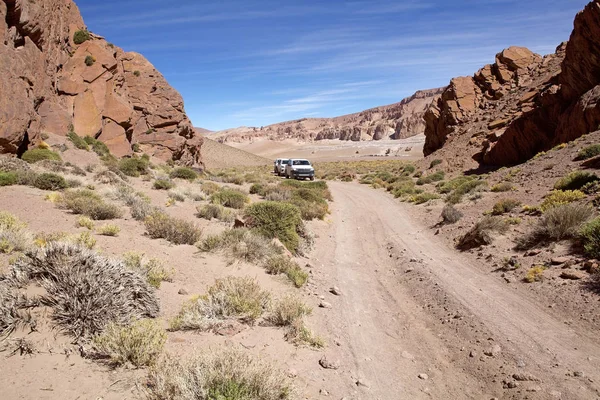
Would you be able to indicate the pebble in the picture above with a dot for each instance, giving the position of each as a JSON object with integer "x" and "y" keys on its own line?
{"x": 182, "y": 291}
{"x": 493, "y": 351}
{"x": 423, "y": 376}
{"x": 572, "y": 275}
{"x": 335, "y": 290}
{"x": 559, "y": 260}
{"x": 325, "y": 363}
{"x": 324, "y": 304}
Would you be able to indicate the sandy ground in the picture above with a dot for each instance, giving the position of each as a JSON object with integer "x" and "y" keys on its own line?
{"x": 336, "y": 150}
{"x": 415, "y": 319}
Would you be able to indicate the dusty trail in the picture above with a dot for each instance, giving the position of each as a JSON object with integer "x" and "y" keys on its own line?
{"x": 389, "y": 336}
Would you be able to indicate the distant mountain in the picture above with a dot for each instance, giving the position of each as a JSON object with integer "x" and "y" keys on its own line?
{"x": 395, "y": 121}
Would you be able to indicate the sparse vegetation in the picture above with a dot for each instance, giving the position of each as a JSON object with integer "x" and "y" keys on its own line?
{"x": 137, "y": 74}
{"x": 502, "y": 187}
{"x": 481, "y": 233}
{"x": 229, "y": 298}
{"x": 77, "y": 141}
{"x": 590, "y": 236}
{"x": 435, "y": 163}
{"x": 240, "y": 244}
{"x": 231, "y": 198}
{"x": 560, "y": 197}
{"x": 8, "y": 178}
{"x": 13, "y": 234}
{"x": 89, "y": 203}
{"x": 89, "y": 60}
{"x": 276, "y": 220}
{"x": 210, "y": 211}
{"x": 535, "y": 274}
{"x": 139, "y": 343}
{"x": 298, "y": 333}
{"x": 98, "y": 147}
{"x": 35, "y": 155}
{"x": 435, "y": 177}
{"x": 184, "y": 173}
{"x": 177, "y": 231}
{"x": 134, "y": 166}
{"x": 575, "y": 180}
{"x": 588, "y": 152}
{"x": 210, "y": 188}
{"x": 50, "y": 181}
{"x": 504, "y": 206}
{"x": 226, "y": 375}
{"x": 450, "y": 215}
{"x": 424, "y": 197}
{"x": 85, "y": 222}
{"x": 288, "y": 310}
{"x": 152, "y": 269}
{"x": 281, "y": 264}
{"x": 109, "y": 230}
{"x": 163, "y": 184}
{"x": 460, "y": 187}
{"x": 81, "y": 36}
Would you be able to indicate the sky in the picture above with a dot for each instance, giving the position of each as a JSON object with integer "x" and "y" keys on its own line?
{"x": 258, "y": 62}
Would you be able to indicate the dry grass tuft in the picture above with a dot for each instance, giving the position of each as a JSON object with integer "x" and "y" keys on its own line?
{"x": 450, "y": 215}
{"x": 13, "y": 234}
{"x": 481, "y": 233}
{"x": 288, "y": 310}
{"x": 282, "y": 264}
{"x": 108, "y": 230}
{"x": 153, "y": 269}
{"x": 85, "y": 222}
{"x": 217, "y": 211}
{"x": 225, "y": 375}
{"x": 177, "y": 231}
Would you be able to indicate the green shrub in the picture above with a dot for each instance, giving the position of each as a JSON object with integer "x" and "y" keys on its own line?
{"x": 588, "y": 152}
{"x": 50, "y": 181}
{"x": 424, "y": 197}
{"x": 226, "y": 375}
{"x": 210, "y": 188}
{"x": 481, "y": 232}
{"x": 137, "y": 73}
{"x": 310, "y": 210}
{"x": 466, "y": 187}
{"x": 231, "y": 297}
{"x": 77, "y": 141}
{"x": 240, "y": 244}
{"x": 85, "y": 222}
{"x": 505, "y": 205}
{"x": 140, "y": 343}
{"x": 575, "y": 180}
{"x": 153, "y": 269}
{"x": 98, "y": 147}
{"x": 276, "y": 220}
{"x": 210, "y": 211}
{"x": 281, "y": 264}
{"x": 109, "y": 230}
{"x": 230, "y": 198}
{"x": 409, "y": 169}
{"x": 288, "y": 310}
{"x": 502, "y": 187}
{"x": 558, "y": 223}
{"x": 434, "y": 163}
{"x": 134, "y": 166}
{"x": 163, "y": 184}
{"x": 81, "y": 36}
{"x": 184, "y": 173}
{"x": 257, "y": 188}
{"x": 88, "y": 203}
{"x": 8, "y": 178}
{"x": 435, "y": 177}
{"x": 535, "y": 274}
{"x": 35, "y": 155}
{"x": 177, "y": 231}
{"x": 13, "y": 234}
{"x": 89, "y": 60}
{"x": 560, "y": 197}
{"x": 590, "y": 236}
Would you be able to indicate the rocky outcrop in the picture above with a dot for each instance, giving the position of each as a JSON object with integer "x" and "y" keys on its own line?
{"x": 50, "y": 84}
{"x": 396, "y": 121}
{"x": 524, "y": 104}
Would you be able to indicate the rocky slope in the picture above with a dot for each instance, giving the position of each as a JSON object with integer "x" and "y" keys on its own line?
{"x": 50, "y": 84}
{"x": 522, "y": 104}
{"x": 395, "y": 121}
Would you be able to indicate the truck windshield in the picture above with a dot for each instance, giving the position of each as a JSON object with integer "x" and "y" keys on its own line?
{"x": 301, "y": 162}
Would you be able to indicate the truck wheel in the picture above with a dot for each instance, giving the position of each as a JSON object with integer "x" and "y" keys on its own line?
{"x": 312, "y": 178}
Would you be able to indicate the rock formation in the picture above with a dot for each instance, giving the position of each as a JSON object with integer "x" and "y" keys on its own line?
{"x": 51, "y": 84}
{"x": 522, "y": 104}
{"x": 396, "y": 121}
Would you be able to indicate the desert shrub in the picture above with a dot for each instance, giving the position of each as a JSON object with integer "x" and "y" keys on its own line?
{"x": 450, "y": 215}
{"x": 590, "y": 236}
{"x": 10, "y": 164}
{"x": 560, "y": 197}
{"x": 575, "y": 180}
{"x": 591, "y": 187}
{"x": 152, "y": 269}
{"x": 240, "y": 244}
{"x": 86, "y": 291}
{"x": 281, "y": 264}
{"x": 74, "y": 183}
{"x": 423, "y": 197}
{"x": 534, "y": 274}
{"x": 77, "y": 140}
{"x": 108, "y": 230}
{"x": 138, "y": 203}
{"x": 309, "y": 185}
{"x": 588, "y": 152}
{"x": 481, "y": 233}
{"x": 239, "y": 298}
{"x": 434, "y": 163}
{"x": 558, "y": 223}
{"x": 89, "y": 60}
{"x": 257, "y": 188}
{"x": 50, "y": 181}
{"x": 139, "y": 343}
{"x": 98, "y": 147}
{"x": 8, "y": 178}
{"x": 14, "y": 310}
{"x": 505, "y": 205}
{"x": 177, "y": 231}
{"x": 309, "y": 210}
{"x": 85, "y": 222}
{"x": 81, "y": 36}
{"x": 287, "y": 310}
{"x": 210, "y": 211}
{"x": 274, "y": 193}
{"x": 299, "y": 334}
{"x": 176, "y": 195}
{"x": 35, "y": 155}
{"x": 435, "y": 177}
{"x": 193, "y": 195}
{"x": 210, "y": 188}
{"x": 163, "y": 184}
{"x": 184, "y": 173}
{"x": 226, "y": 375}
{"x": 134, "y": 166}
{"x": 403, "y": 189}
{"x": 109, "y": 177}
{"x": 502, "y": 187}
{"x": 88, "y": 203}
{"x": 409, "y": 169}
{"x": 452, "y": 184}
{"x": 464, "y": 188}
{"x": 13, "y": 234}
{"x": 230, "y": 198}
{"x": 276, "y": 220}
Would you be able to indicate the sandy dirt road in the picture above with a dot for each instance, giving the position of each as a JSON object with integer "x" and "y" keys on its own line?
{"x": 411, "y": 305}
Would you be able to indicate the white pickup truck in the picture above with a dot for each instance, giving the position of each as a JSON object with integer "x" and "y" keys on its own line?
{"x": 299, "y": 169}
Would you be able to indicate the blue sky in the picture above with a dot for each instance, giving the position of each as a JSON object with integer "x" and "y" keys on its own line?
{"x": 257, "y": 62}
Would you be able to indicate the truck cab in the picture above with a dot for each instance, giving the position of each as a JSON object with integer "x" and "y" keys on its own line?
{"x": 299, "y": 168}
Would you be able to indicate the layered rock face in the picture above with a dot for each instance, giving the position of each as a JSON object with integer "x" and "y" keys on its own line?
{"x": 50, "y": 84}
{"x": 522, "y": 104}
{"x": 396, "y": 121}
